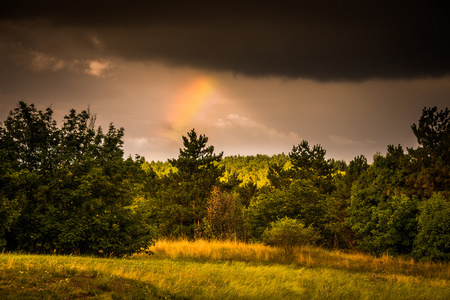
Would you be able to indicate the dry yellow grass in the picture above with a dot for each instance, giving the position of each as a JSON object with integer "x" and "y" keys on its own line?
{"x": 214, "y": 250}
{"x": 307, "y": 256}
{"x": 222, "y": 270}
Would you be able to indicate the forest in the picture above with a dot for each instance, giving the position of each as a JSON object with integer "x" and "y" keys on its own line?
{"x": 69, "y": 190}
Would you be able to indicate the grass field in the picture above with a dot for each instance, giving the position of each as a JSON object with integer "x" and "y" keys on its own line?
{"x": 222, "y": 270}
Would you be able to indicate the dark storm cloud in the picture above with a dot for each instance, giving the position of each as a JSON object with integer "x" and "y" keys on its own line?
{"x": 321, "y": 40}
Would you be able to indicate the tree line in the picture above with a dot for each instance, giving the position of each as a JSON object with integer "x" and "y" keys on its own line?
{"x": 69, "y": 189}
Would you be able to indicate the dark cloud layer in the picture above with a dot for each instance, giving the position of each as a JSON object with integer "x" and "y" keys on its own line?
{"x": 320, "y": 40}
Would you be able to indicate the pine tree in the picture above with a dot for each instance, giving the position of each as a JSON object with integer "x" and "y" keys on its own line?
{"x": 184, "y": 199}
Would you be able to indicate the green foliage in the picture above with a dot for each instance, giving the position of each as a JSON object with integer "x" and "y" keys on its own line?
{"x": 196, "y": 155}
{"x": 382, "y": 217}
{"x": 337, "y": 165}
{"x": 340, "y": 233}
{"x": 182, "y": 199}
{"x": 310, "y": 163}
{"x": 252, "y": 169}
{"x": 279, "y": 176}
{"x": 355, "y": 168}
{"x": 301, "y": 188}
{"x": 309, "y": 159}
{"x": 160, "y": 168}
{"x": 69, "y": 190}
{"x": 433, "y": 133}
{"x": 302, "y": 201}
{"x": 29, "y": 138}
{"x": 433, "y": 237}
{"x": 106, "y": 214}
{"x": 305, "y": 163}
{"x": 399, "y": 205}
{"x": 429, "y": 169}
{"x": 9, "y": 200}
{"x": 288, "y": 233}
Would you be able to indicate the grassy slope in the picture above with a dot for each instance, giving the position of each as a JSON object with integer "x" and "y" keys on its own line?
{"x": 202, "y": 270}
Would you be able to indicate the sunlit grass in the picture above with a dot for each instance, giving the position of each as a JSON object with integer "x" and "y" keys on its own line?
{"x": 307, "y": 256}
{"x": 221, "y": 270}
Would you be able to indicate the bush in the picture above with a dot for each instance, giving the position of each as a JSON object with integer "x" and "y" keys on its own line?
{"x": 288, "y": 233}
{"x": 433, "y": 239}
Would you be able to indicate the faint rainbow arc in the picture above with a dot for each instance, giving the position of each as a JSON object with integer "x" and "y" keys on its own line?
{"x": 188, "y": 104}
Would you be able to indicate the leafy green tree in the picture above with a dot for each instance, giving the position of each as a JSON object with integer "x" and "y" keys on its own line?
{"x": 341, "y": 234}
{"x": 101, "y": 210}
{"x": 433, "y": 238}
{"x": 29, "y": 138}
{"x": 397, "y": 202}
{"x": 75, "y": 192}
{"x": 380, "y": 214}
{"x": 301, "y": 200}
{"x": 429, "y": 178}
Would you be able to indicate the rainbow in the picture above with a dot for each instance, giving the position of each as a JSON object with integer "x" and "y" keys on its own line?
{"x": 188, "y": 104}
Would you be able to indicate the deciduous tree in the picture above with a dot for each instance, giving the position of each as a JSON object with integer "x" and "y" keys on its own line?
{"x": 72, "y": 187}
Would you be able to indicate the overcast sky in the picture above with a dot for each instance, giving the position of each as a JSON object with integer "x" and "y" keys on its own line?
{"x": 255, "y": 78}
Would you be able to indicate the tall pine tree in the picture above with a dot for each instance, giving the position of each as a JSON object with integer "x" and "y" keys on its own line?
{"x": 184, "y": 198}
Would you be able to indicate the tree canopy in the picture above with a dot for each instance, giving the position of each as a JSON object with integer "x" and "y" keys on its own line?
{"x": 69, "y": 189}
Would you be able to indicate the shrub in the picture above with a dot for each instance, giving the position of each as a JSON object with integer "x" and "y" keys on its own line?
{"x": 288, "y": 233}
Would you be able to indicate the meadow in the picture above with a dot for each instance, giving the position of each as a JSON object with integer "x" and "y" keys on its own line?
{"x": 222, "y": 270}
